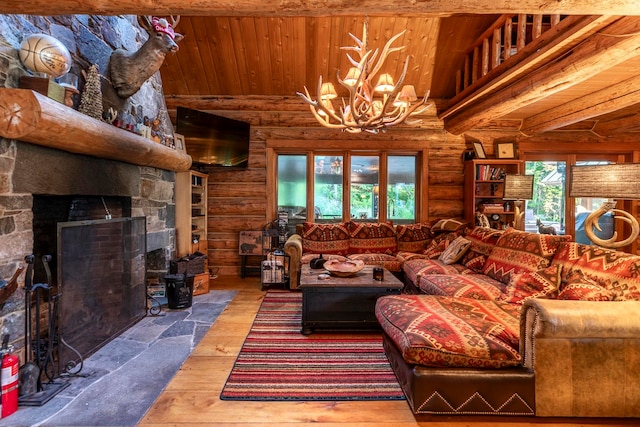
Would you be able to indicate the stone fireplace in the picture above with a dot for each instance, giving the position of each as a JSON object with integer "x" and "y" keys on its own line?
{"x": 41, "y": 187}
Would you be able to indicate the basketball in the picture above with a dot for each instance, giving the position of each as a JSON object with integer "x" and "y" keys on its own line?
{"x": 41, "y": 53}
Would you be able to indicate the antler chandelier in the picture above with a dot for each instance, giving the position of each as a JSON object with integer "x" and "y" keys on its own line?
{"x": 370, "y": 107}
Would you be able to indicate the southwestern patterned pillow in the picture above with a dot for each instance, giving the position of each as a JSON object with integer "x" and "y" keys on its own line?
{"x": 325, "y": 238}
{"x": 451, "y": 332}
{"x": 439, "y": 244}
{"x": 613, "y": 270}
{"x": 413, "y": 237}
{"x": 389, "y": 262}
{"x": 455, "y": 250}
{"x": 372, "y": 238}
{"x": 415, "y": 268}
{"x": 476, "y": 286}
{"x": 482, "y": 242}
{"x": 582, "y": 288}
{"x": 537, "y": 284}
{"x": 448, "y": 225}
{"x": 521, "y": 252}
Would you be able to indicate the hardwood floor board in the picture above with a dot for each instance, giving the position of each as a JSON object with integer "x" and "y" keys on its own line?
{"x": 219, "y": 345}
{"x": 203, "y": 373}
{"x": 203, "y": 407}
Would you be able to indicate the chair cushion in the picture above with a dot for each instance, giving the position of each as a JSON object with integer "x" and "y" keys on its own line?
{"x": 451, "y": 332}
{"x": 372, "y": 238}
{"x": 521, "y": 252}
{"x": 325, "y": 238}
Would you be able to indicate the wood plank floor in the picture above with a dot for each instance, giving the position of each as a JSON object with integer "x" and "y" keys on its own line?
{"x": 192, "y": 397}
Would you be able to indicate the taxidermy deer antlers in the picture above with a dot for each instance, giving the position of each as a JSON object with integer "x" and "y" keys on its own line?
{"x": 130, "y": 70}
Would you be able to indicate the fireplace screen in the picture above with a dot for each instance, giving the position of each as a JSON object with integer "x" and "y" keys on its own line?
{"x": 101, "y": 277}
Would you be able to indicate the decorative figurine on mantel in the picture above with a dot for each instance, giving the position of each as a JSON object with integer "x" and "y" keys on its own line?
{"x": 129, "y": 70}
{"x": 91, "y": 98}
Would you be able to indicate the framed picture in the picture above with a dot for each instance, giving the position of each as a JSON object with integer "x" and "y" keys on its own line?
{"x": 179, "y": 141}
{"x": 250, "y": 242}
{"x": 479, "y": 150}
{"x": 505, "y": 150}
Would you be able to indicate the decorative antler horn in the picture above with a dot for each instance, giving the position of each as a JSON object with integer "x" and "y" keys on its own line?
{"x": 174, "y": 21}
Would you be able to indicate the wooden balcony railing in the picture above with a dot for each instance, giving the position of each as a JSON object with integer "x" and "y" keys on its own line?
{"x": 505, "y": 38}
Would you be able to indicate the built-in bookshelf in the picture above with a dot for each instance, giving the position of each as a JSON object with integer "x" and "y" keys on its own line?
{"x": 484, "y": 183}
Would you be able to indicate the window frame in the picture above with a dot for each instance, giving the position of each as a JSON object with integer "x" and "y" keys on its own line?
{"x": 383, "y": 153}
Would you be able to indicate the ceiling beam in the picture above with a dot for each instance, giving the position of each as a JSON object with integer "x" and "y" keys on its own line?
{"x": 613, "y": 45}
{"x": 616, "y": 126}
{"x": 607, "y": 100}
{"x": 317, "y": 7}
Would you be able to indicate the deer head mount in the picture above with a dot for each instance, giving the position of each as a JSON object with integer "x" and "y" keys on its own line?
{"x": 129, "y": 70}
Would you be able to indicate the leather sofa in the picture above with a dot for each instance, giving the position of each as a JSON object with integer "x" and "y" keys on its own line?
{"x": 522, "y": 324}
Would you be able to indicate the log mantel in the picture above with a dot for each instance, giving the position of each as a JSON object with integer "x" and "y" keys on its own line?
{"x": 28, "y": 116}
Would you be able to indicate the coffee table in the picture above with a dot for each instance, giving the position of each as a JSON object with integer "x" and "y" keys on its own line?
{"x": 343, "y": 302}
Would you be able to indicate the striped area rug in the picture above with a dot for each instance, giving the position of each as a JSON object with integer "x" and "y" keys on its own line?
{"x": 277, "y": 362}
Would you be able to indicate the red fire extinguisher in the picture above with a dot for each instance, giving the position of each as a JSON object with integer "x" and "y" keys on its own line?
{"x": 9, "y": 379}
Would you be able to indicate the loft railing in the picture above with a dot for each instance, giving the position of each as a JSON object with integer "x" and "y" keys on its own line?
{"x": 505, "y": 38}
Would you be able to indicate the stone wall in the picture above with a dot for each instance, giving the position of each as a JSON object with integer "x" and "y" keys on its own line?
{"x": 27, "y": 169}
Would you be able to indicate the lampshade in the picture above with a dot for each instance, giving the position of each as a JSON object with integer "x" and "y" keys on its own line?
{"x": 352, "y": 76}
{"x": 385, "y": 84}
{"x": 328, "y": 91}
{"x": 616, "y": 181}
{"x": 518, "y": 187}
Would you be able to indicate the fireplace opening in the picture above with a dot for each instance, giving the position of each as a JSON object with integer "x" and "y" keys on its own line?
{"x": 97, "y": 269}
{"x": 49, "y": 210}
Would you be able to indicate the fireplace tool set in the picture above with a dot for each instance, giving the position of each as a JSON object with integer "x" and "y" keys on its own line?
{"x": 37, "y": 374}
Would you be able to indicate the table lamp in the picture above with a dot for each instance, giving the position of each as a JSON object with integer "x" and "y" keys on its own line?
{"x": 518, "y": 188}
{"x": 612, "y": 182}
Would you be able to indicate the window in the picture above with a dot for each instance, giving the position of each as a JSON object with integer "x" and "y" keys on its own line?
{"x": 401, "y": 189}
{"x": 359, "y": 186}
{"x": 365, "y": 187}
{"x": 292, "y": 188}
{"x": 551, "y": 205}
{"x": 327, "y": 190}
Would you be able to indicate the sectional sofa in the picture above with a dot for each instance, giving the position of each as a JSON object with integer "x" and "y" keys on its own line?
{"x": 507, "y": 323}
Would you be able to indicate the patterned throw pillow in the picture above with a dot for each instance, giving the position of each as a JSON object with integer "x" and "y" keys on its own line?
{"x": 325, "y": 238}
{"x": 455, "y": 250}
{"x": 413, "y": 237}
{"x": 521, "y": 252}
{"x": 372, "y": 238}
{"x": 448, "y": 225}
{"x": 482, "y": 242}
{"x": 581, "y": 288}
{"x": 613, "y": 270}
{"x": 537, "y": 284}
{"x": 439, "y": 244}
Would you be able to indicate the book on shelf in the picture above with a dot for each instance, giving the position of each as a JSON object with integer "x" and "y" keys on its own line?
{"x": 489, "y": 173}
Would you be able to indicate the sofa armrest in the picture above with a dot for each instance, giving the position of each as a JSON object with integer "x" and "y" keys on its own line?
{"x": 585, "y": 356}
{"x": 293, "y": 248}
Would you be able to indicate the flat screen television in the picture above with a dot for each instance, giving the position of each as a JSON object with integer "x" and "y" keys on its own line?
{"x": 214, "y": 140}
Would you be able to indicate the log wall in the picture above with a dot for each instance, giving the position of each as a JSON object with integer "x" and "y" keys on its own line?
{"x": 238, "y": 199}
